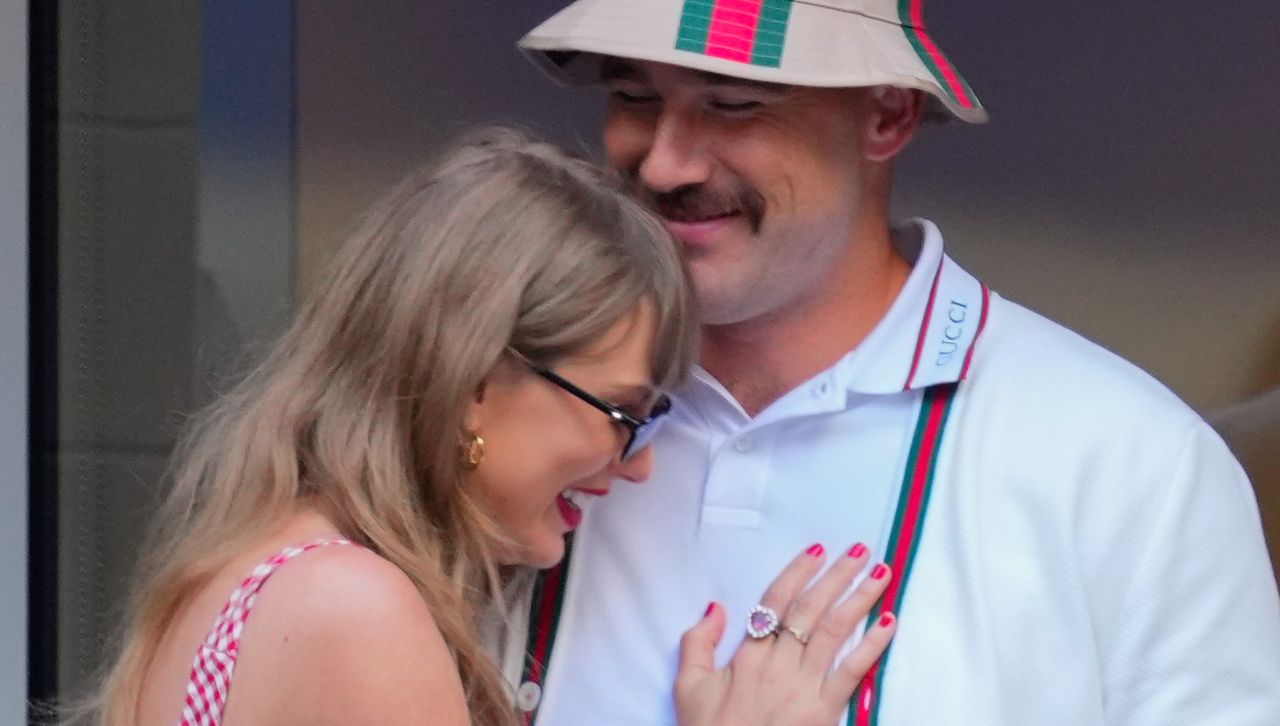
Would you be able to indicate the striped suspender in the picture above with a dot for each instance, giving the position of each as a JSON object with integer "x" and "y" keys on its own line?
{"x": 544, "y": 622}
{"x": 904, "y": 538}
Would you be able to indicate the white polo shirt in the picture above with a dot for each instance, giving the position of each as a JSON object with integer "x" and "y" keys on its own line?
{"x": 1091, "y": 553}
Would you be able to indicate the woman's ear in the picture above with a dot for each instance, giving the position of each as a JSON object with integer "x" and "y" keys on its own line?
{"x": 472, "y": 417}
{"x": 895, "y": 116}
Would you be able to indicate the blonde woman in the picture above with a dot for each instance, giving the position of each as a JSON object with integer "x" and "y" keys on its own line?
{"x": 489, "y": 351}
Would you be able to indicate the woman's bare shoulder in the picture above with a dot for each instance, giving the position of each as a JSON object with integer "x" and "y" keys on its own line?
{"x": 340, "y": 634}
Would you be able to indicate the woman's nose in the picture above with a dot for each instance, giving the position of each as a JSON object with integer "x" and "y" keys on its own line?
{"x": 635, "y": 468}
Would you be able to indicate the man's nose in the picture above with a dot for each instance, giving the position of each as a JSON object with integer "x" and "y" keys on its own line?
{"x": 676, "y": 156}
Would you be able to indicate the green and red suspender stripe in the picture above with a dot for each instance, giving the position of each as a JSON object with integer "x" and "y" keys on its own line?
{"x": 544, "y": 622}
{"x": 755, "y": 31}
{"x": 904, "y": 538}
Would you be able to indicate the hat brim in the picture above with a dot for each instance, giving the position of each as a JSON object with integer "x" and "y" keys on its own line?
{"x": 862, "y": 51}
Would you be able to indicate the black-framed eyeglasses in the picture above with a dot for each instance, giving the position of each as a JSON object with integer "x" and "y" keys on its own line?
{"x": 640, "y": 431}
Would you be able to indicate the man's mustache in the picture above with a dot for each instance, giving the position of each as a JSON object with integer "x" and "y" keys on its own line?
{"x": 701, "y": 201}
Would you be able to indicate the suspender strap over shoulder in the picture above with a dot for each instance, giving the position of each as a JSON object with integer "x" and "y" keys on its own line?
{"x": 904, "y": 538}
{"x": 544, "y": 621}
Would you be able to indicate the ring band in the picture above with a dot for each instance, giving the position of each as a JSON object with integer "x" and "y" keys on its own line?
{"x": 762, "y": 622}
{"x": 798, "y": 633}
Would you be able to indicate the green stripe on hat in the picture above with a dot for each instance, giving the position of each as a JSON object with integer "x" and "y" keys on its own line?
{"x": 771, "y": 33}
{"x": 695, "y": 24}
{"x": 911, "y": 16}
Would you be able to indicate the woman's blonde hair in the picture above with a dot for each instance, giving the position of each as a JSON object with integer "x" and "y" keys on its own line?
{"x": 358, "y": 409}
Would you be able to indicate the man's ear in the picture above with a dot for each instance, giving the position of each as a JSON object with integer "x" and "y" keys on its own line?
{"x": 895, "y": 116}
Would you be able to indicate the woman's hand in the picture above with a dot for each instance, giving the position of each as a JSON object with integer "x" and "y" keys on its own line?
{"x": 787, "y": 679}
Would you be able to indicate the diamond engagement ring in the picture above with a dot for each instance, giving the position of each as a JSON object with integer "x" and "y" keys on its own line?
{"x": 762, "y": 622}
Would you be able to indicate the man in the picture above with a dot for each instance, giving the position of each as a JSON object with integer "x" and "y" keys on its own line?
{"x": 1070, "y": 544}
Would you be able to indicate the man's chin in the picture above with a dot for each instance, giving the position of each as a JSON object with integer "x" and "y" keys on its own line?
{"x": 718, "y": 304}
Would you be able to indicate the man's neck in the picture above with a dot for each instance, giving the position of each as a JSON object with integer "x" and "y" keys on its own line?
{"x": 758, "y": 361}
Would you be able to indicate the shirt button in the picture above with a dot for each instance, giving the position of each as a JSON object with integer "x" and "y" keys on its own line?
{"x": 742, "y": 446}
{"x": 528, "y": 697}
{"x": 822, "y": 389}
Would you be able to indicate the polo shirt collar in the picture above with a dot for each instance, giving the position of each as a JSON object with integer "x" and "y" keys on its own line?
{"x": 930, "y": 331}
{"x": 926, "y": 338}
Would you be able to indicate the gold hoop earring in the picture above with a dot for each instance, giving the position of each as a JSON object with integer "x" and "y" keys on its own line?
{"x": 472, "y": 452}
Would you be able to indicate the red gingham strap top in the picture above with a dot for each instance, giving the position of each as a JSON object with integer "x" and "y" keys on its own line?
{"x": 215, "y": 661}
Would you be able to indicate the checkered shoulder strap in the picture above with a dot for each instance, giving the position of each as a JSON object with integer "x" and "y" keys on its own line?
{"x": 215, "y": 660}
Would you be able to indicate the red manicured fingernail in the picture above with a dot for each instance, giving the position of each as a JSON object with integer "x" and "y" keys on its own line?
{"x": 815, "y": 551}
{"x": 886, "y": 620}
{"x": 711, "y": 608}
{"x": 878, "y": 572}
{"x": 858, "y": 550}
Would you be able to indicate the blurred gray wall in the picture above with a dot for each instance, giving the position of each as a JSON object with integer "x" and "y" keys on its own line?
{"x": 1126, "y": 186}
{"x": 128, "y": 79}
{"x": 175, "y": 250}
{"x": 381, "y": 88}
{"x": 13, "y": 362}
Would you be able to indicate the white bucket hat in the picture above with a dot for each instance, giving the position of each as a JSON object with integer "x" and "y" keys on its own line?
{"x": 831, "y": 43}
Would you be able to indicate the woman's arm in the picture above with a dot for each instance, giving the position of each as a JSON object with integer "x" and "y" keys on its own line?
{"x": 342, "y": 636}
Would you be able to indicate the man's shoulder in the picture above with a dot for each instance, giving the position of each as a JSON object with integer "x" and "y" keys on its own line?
{"x": 1045, "y": 364}
{"x": 1061, "y": 415}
